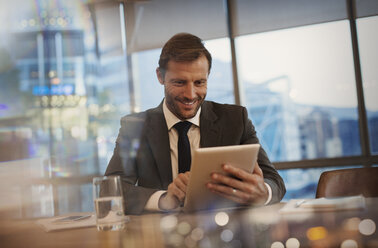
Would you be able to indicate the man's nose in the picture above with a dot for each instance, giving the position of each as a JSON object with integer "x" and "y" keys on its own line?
{"x": 190, "y": 91}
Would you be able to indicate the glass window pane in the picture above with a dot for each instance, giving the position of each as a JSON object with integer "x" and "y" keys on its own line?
{"x": 63, "y": 79}
{"x": 220, "y": 86}
{"x": 367, "y": 29}
{"x": 149, "y": 92}
{"x": 299, "y": 89}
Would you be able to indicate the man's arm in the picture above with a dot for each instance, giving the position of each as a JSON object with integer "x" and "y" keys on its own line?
{"x": 124, "y": 163}
{"x": 135, "y": 197}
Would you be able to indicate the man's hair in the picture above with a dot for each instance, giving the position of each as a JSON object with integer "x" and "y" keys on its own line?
{"x": 182, "y": 47}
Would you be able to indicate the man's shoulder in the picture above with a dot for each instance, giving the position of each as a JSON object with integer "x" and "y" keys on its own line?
{"x": 141, "y": 116}
{"x": 222, "y": 107}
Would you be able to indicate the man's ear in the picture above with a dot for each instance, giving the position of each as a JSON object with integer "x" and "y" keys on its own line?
{"x": 159, "y": 76}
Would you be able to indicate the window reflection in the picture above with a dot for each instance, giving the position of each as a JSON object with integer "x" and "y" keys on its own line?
{"x": 63, "y": 91}
{"x": 300, "y": 92}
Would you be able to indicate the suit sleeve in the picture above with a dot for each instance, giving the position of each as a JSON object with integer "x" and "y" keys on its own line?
{"x": 271, "y": 175}
{"x": 124, "y": 164}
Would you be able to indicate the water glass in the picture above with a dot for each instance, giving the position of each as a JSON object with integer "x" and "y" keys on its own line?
{"x": 108, "y": 200}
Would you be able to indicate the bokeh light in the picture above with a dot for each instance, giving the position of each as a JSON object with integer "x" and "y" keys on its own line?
{"x": 184, "y": 228}
{"x": 197, "y": 234}
{"x": 277, "y": 244}
{"x": 227, "y": 235}
{"x": 349, "y": 243}
{"x": 292, "y": 243}
{"x": 316, "y": 233}
{"x": 169, "y": 222}
{"x": 221, "y": 218}
{"x": 367, "y": 227}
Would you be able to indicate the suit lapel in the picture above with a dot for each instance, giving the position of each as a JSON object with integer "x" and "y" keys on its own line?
{"x": 157, "y": 136}
{"x": 158, "y": 139}
{"x": 209, "y": 130}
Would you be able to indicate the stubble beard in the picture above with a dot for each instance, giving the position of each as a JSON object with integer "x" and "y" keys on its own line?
{"x": 173, "y": 105}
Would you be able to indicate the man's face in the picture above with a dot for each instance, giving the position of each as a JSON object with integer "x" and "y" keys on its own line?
{"x": 185, "y": 86}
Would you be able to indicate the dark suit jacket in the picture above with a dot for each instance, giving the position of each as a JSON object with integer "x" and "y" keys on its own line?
{"x": 142, "y": 154}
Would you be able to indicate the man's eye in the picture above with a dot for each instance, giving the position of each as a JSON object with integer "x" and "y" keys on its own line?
{"x": 179, "y": 82}
{"x": 200, "y": 83}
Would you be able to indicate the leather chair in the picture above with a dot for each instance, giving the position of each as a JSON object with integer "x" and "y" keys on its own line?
{"x": 348, "y": 182}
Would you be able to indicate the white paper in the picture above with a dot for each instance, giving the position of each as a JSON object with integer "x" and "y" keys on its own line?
{"x": 57, "y": 223}
{"x": 324, "y": 204}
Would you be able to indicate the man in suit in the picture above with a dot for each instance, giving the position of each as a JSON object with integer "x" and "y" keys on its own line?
{"x": 146, "y": 154}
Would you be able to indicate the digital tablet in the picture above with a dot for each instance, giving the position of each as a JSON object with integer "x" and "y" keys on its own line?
{"x": 208, "y": 160}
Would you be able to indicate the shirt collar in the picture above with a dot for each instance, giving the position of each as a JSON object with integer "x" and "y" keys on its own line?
{"x": 171, "y": 119}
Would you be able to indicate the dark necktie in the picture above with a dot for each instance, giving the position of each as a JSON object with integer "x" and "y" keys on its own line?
{"x": 183, "y": 146}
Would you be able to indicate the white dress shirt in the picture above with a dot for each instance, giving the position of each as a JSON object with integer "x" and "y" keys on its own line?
{"x": 194, "y": 139}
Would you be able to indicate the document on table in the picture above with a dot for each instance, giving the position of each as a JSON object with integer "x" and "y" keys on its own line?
{"x": 324, "y": 204}
{"x": 69, "y": 221}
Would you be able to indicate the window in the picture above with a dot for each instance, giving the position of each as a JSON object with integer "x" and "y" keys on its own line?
{"x": 367, "y": 29}
{"x": 299, "y": 89}
{"x": 63, "y": 92}
{"x": 220, "y": 88}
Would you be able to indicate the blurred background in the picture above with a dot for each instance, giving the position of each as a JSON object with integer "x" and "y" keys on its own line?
{"x": 70, "y": 69}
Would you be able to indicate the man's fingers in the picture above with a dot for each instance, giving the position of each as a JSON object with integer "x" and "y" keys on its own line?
{"x": 244, "y": 175}
{"x": 257, "y": 170}
{"x": 173, "y": 190}
{"x": 236, "y": 172}
{"x": 249, "y": 186}
{"x": 182, "y": 181}
{"x": 179, "y": 185}
{"x": 226, "y": 180}
{"x": 184, "y": 177}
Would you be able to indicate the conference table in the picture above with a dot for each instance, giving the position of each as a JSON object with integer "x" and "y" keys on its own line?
{"x": 244, "y": 227}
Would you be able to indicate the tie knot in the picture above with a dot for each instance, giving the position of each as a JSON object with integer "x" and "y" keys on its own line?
{"x": 182, "y": 127}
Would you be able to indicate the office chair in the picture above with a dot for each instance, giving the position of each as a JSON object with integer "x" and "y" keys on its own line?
{"x": 348, "y": 182}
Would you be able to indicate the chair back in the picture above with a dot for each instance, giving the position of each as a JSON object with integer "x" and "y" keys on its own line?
{"x": 348, "y": 182}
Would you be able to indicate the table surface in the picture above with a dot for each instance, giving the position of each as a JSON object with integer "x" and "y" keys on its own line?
{"x": 252, "y": 227}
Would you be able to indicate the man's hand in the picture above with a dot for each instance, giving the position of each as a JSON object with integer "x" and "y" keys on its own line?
{"x": 176, "y": 193}
{"x": 240, "y": 186}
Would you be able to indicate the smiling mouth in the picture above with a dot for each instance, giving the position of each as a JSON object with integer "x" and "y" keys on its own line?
{"x": 188, "y": 103}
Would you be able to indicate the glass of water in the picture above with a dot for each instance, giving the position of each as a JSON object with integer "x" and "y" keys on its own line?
{"x": 108, "y": 200}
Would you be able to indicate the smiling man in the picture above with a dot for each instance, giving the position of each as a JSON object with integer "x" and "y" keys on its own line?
{"x": 152, "y": 153}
